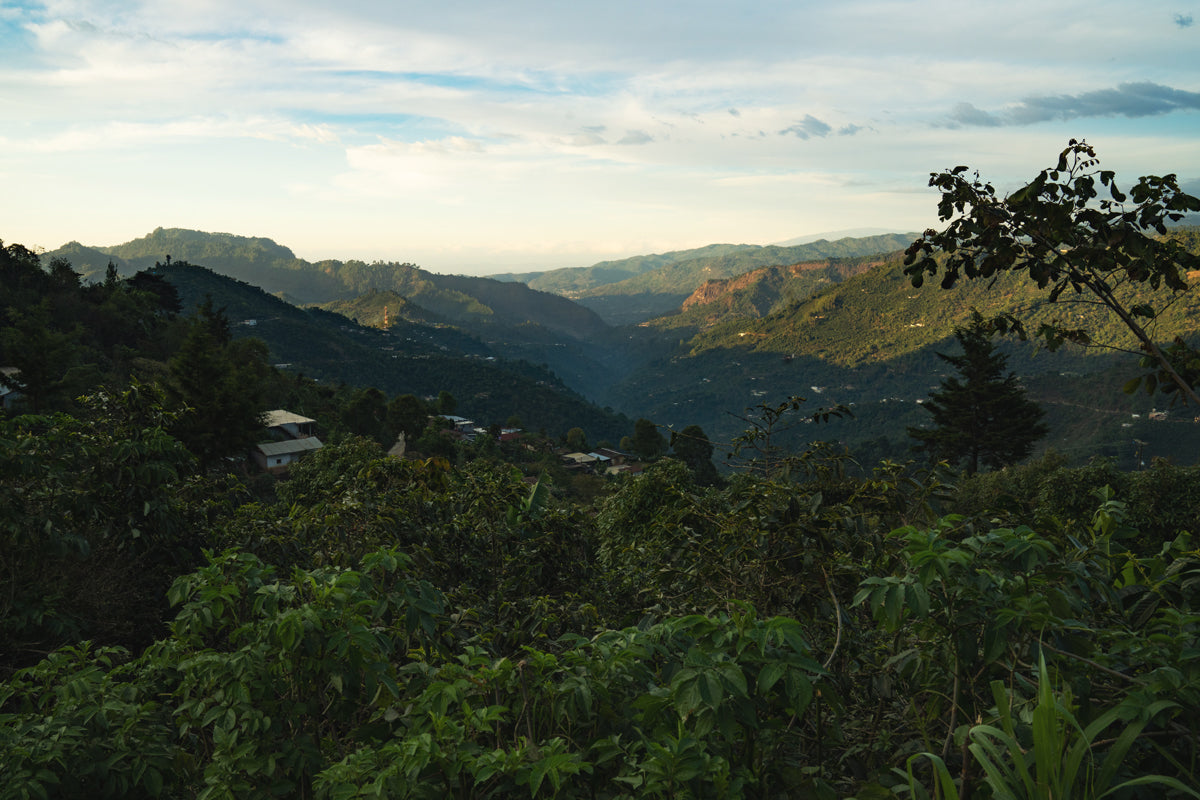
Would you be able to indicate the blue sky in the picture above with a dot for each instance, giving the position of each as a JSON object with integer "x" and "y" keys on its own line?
{"x": 479, "y": 137}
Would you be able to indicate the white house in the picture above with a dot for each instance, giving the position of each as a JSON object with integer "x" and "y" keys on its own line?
{"x": 277, "y": 457}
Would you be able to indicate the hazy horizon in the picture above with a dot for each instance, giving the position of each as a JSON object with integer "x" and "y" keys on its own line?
{"x": 480, "y": 138}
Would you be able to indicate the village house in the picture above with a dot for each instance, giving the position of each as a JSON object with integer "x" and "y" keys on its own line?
{"x": 277, "y": 457}
{"x": 292, "y": 438}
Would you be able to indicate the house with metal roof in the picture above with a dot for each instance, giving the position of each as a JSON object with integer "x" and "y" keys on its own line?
{"x": 277, "y": 457}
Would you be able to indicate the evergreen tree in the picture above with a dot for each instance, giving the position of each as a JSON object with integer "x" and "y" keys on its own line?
{"x": 221, "y": 382}
{"x": 42, "y": 355}
{"x": 981, "y": 416}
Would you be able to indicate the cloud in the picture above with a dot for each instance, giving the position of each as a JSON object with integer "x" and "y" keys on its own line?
{"x": 590, "y": 135}
{"x": 636, "y": 137}
{"x": 849, "y": 130}
{"x": 1183, "y": 20}
{"x": 114, "y": 136}
{"x": 967, "y": 114}
{"x": 1130, "y": 100}
{"x": 808, "y": 127}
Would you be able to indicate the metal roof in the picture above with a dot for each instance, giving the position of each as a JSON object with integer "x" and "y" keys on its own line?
{"x": 289, "y": 447}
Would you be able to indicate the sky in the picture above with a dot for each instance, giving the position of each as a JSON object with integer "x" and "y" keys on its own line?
{"x": 478, "y": 137}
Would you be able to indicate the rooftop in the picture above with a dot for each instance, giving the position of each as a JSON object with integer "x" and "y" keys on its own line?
{"x": 273, "y": 419}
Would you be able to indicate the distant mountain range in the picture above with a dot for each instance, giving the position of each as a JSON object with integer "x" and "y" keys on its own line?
{"x": 276, "y": 270}
{"x": 856, "y": 332}
{"x": 635, "y": 289}
{"x": 690, "y": 337}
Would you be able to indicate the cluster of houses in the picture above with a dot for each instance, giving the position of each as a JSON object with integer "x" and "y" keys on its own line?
{"x": 601, "y": 461}
{"x": 290, "y": 437}
{"x": 466, "y": 429}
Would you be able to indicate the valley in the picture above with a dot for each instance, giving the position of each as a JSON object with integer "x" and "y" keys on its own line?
{"x": 746, "y": 326}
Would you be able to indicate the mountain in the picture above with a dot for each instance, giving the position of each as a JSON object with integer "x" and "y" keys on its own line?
{"x": 410, "y": 357}
{"x": 867, "y": 339}
{"x": 845, "y": 233}
{"x": 760, "y": 292}
{"x": 570, "y": 281}
{"x": 276, "y": 269}
{"x": 663, "y": 288}
{"x": 376, "y": 309}
{"x": 518, "y": 323}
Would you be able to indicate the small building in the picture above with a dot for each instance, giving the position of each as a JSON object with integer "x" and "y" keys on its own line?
{"x": 460, "y": 424}
{"x": 615, "y": 456}
{"x": 277, "y": 457}
{"x": 588, "y": 462}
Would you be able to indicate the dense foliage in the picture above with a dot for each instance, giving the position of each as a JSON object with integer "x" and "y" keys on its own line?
{"x": 415, "y": 629}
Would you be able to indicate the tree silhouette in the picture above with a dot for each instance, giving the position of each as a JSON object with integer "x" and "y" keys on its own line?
{"x": 647, "y": 443}
{"x": 220, "y": 381}
{"x": 1067, "y": 237}
{"x": 981, "y": 416}
{"x": 692, "y": 447}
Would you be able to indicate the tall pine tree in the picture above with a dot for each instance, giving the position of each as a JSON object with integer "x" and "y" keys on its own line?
{"x": 220, "y": 381}
{"x": 981, "y": 416}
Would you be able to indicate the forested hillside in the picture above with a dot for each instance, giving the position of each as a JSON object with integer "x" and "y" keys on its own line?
{"x": 658, "y": 284}
{"x": 407, "y": 358}
{"x": 275, "y": 269}
{"x": 516, "y": 322}
{"x": 802, "y": 328}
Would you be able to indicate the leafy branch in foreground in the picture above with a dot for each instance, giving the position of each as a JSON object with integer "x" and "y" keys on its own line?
{"x": 1065, "y": 236}
{"x": 1061, "y": 762}
{"x": 766, "y": 425}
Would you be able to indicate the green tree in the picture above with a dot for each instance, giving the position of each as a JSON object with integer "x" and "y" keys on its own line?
{"x": 95, "y": 520}
{"x": 1067, "y": 238}
{"x": 42, "y": 355}
{"x": 982, "y": 415}
{"x": 446, "y": 404}
{"x": 647, "y": 442}
{"x": 577, "y": 439}
{"x": 692, "y": 447}
{"x": 366, "y": 415}
{"x": 407, "y": 416}
{"x": 221, "y": 382}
